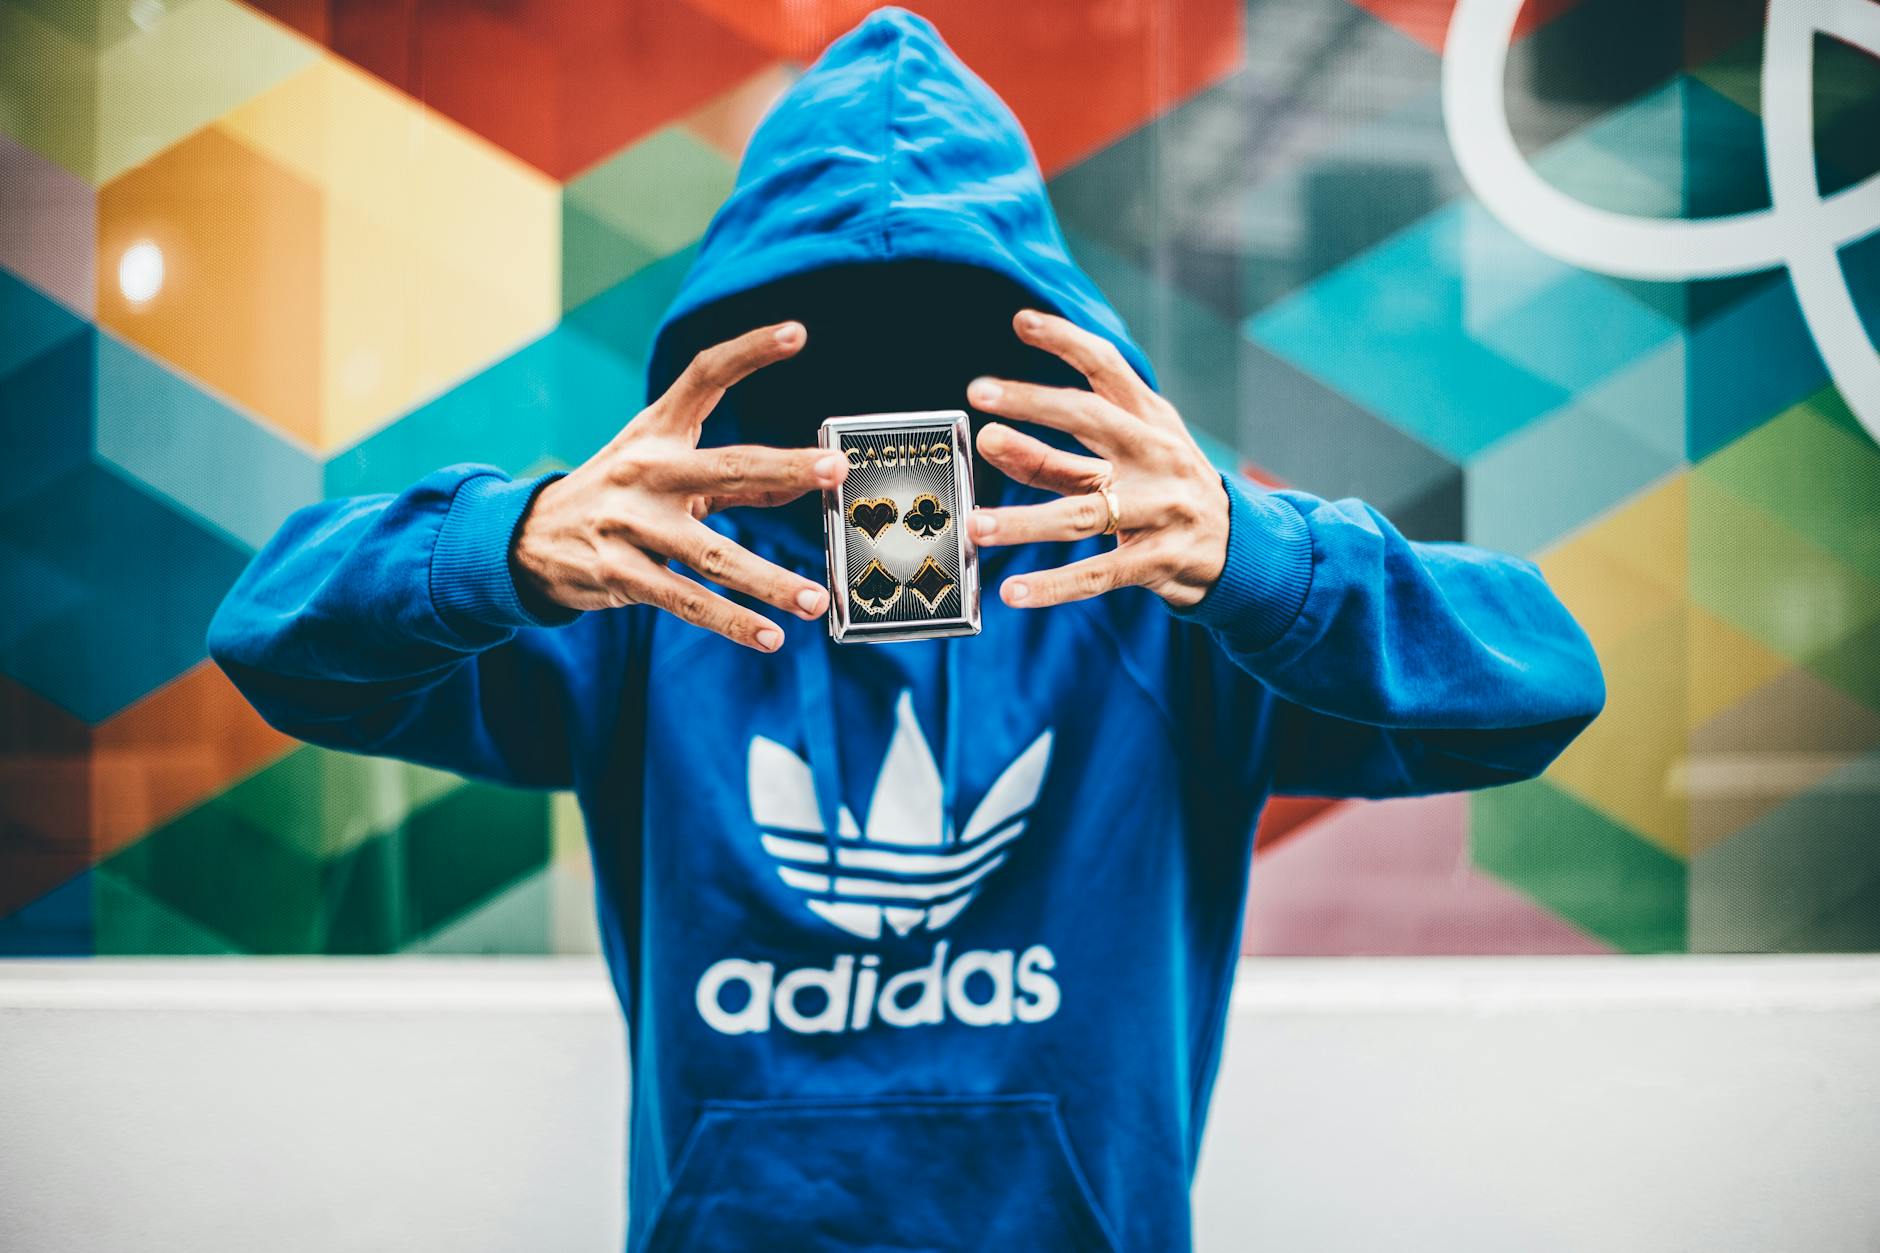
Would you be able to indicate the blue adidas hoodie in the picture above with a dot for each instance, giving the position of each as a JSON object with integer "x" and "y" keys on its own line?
{"x": 924, "y": 945}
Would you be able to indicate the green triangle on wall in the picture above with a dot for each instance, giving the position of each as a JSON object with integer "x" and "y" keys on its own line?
{"x": 1592, "y": 871}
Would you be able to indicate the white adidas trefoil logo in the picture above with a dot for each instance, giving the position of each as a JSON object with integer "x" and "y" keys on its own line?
{"x": 906, "y": 869}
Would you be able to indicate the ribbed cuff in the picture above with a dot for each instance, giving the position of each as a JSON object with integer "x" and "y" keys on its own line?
{"x": 1268, "y": 572}
{"x": 470, "y": 573}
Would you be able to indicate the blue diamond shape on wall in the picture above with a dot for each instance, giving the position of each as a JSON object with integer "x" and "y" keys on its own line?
{"x": 1459, "y": 333}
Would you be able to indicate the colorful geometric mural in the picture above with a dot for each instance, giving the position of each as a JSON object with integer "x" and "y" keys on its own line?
{"x": 256, "y": 254}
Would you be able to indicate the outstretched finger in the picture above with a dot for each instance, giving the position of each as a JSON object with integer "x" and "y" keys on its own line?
{"x": 1080, "y": 580}
{"x": 1056, "y": 521}
{"x": 697, "y": 391}
{"x": 1029, "y": 460}
{"x": 1097, "y": 424}
{"x": 745, "y": 472}
{"x": 683, "y": 598}
{"x": 1091, "y": 355}
{"x": 723, "y": 561}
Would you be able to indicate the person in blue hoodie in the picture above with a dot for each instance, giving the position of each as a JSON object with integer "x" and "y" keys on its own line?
{"x": 926, "y": 945}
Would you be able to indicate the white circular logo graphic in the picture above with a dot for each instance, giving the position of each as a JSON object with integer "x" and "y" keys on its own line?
{"x": 1800, "y": 229}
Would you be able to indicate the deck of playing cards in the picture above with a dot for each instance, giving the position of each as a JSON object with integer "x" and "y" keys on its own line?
{"x": 900, "y": 565}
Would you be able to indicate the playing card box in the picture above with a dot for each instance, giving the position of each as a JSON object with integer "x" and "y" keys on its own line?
{"x": 900, "y": 564}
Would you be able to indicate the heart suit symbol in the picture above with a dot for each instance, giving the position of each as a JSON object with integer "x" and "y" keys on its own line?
{"x": 873, "y": 516}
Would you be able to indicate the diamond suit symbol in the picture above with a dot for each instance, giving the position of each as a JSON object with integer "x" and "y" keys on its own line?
{"x": 930, "y": 583}
{"x": 907, "y": 869}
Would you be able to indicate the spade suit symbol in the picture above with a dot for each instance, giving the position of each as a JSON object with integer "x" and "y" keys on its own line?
{"x": 874, "y": 589}
{"x": 873, "y": 515}
{"x": 927, "y": 519}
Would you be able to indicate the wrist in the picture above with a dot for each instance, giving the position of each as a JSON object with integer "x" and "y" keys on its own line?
{"x": 1263, "y": 583}
{"x": 473, "y": 574}
{"x": 529, "y": 566}
{"x": 1205, "y": 552}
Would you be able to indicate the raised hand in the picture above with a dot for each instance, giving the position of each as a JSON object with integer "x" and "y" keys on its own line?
{"x": 1170, "y": 508}
{"x": 600, "y": 537}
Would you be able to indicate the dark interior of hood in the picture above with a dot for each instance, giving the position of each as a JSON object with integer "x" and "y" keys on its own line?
{"x": 883, "y": 338}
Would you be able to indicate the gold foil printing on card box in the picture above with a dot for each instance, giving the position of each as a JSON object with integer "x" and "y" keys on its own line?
{"x": 900, "y": 565}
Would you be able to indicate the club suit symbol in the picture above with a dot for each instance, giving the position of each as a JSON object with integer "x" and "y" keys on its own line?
{"x": 926, "y": 518}
{"x": 908, "y": 869}
{"x": 872, "y": 516}
{"x": 874, "y": 589}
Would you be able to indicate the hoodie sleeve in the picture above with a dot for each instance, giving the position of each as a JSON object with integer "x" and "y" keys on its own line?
{"x": 1402, "y": 668}
{"x": 392, "y": 625}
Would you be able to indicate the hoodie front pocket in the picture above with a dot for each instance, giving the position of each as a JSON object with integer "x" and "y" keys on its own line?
{"x": 901, "y": 1173}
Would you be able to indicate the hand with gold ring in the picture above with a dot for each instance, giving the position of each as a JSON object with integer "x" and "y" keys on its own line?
{"x": 1149, "y": 483}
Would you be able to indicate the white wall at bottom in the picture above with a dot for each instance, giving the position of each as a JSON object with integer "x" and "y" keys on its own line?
{"x": 1500, "y": 1106}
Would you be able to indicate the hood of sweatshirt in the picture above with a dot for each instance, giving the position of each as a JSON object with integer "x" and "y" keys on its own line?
{"x": 891, "y": 203}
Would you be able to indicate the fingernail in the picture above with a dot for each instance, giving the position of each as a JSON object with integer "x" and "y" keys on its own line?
{"x": 984, "y": 524}
{"x": 810, "y": 600}
{"x": 828, "y": 467}
{"x": 1016, "y": 592}
{"x": 789, "y": 333}
{"x": 984, "y": 392}
{"x": 770, "y": 639}
{"x": 1027, "y": 320}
